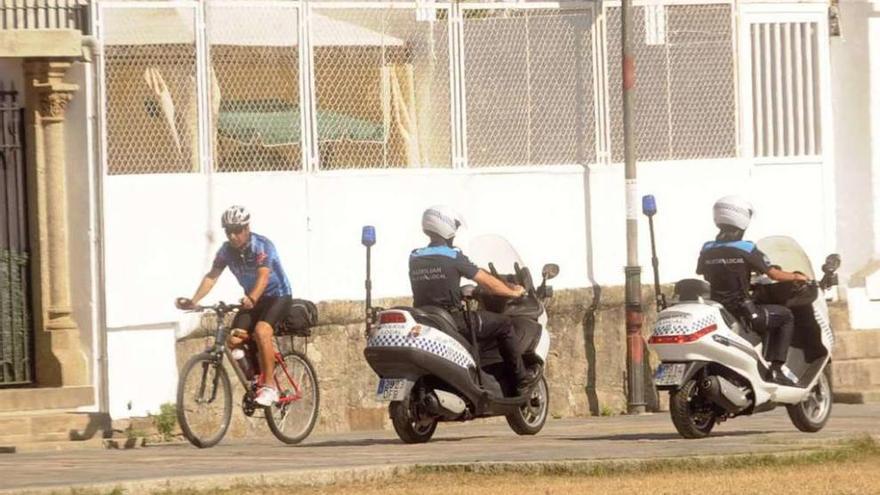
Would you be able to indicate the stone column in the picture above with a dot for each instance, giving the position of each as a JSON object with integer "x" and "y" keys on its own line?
{"x": 60, "y": 360}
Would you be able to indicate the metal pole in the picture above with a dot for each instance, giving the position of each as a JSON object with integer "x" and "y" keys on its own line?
{"x": 659, "y": 297}
{"x": 368, "y": 285}
{"x": 634, "y": 342}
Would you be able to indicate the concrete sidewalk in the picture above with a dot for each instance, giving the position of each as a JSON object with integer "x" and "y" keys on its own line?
{"x": 366, "y": 455}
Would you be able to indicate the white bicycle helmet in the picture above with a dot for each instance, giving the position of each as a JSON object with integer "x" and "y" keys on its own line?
{"x": 733, "y": 210}
{"x": 442, "y": 221}
{"x": 234, "y": 216}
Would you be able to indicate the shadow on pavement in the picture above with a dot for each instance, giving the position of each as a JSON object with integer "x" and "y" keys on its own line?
{"x": 367, "y": 442}
{"x": 628, "y": 437}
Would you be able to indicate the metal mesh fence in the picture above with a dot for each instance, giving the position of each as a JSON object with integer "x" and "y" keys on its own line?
{"x": 685, "y": 97}
{"x": 529, "y": 87}
{"x": 381, "y": 88}
{"x": 150, "y": 90}
{"x": 254, "y": 81}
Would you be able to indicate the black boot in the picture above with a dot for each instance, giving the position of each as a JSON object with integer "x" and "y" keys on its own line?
{"x": 527, "y": 380}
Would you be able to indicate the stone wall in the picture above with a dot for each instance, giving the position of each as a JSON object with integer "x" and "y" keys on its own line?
{"x": 585, "y": 369}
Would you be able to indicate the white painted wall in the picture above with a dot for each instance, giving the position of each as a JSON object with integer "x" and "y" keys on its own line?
{"x": 854, "y": 93}
{"x": 855, "y": 58}
{"x": 161, "y": 232}
{"x": 143, "y": 374}
{"x": 159, "y": 242}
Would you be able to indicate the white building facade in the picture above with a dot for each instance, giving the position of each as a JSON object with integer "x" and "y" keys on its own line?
{"x": 322, "y": 117}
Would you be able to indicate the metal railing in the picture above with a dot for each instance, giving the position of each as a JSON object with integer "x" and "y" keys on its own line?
{"x": 44, "y": 14}
{"x": 16, "y": 326}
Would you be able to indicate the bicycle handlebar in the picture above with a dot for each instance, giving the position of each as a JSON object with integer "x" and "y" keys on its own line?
{"x": 220, "y": 307}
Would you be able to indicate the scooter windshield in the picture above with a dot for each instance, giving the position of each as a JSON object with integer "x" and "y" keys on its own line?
{"x": 787, "y": 253}
{"x": 494, "y": 249}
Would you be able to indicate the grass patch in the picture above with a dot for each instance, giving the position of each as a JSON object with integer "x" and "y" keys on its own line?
{"x": 847, "y": 450}
{"x": 844, "y": 468}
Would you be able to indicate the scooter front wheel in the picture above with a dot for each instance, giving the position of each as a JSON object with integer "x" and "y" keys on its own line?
{"x": 529, "y": 419}
{"x": 691, "y": 415}
{"x": 811, "y": 414}
{"x": 410, "y": 427}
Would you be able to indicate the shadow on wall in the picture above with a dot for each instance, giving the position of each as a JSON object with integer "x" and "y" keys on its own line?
{"x": 588, "y": 322}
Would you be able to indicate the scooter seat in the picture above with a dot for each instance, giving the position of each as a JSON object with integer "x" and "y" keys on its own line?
{"x": 441, "y": 315}
{"x": 439, "y": 318}
{"x": 729, "y": 319}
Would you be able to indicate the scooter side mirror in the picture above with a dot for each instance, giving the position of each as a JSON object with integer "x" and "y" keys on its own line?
{"x": 368, "y": 235}
{"x": 832, "y": 263}
{"x": 549, "y": 271}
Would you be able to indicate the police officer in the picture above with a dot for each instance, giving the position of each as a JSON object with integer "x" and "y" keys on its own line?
{"x": 727, "y": 264}
{"x": 435, "y": 274}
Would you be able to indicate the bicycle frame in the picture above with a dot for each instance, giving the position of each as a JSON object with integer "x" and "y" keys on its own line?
{"x": 221, "y": 349}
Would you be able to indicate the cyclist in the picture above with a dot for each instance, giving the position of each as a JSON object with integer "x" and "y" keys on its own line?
{"x": 435, "y": 274}
{"x": 253, "y": 260}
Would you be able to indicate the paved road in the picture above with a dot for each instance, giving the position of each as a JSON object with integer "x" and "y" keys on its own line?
{"x": 571, "y": 439}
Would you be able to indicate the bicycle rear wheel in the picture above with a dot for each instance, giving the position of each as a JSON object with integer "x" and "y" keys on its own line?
{"x": 293, "y": 417}
{"x": 204, "y": 400}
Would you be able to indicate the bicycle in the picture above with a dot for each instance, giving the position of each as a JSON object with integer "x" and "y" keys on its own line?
{"x": 204, "y": 391}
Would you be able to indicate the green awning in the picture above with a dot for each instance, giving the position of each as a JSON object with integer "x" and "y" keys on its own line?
{"x": 274, "y": 122}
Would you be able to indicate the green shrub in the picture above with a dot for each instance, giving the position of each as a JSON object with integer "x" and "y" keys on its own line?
{"x": 166, "y": 421}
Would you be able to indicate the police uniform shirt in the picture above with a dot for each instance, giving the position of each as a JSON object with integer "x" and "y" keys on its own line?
{"x": 435, "y": 275}
{"x": 728, "y": 267}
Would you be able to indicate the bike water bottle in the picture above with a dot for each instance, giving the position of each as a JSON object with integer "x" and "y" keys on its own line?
{"x": 243, "y": 362}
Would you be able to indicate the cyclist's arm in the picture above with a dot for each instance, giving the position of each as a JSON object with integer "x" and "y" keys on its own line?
{"x": 207, "y": 284}
{"x": 262, "y": 281}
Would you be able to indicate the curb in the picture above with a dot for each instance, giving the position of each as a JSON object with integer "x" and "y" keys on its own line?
{"x": 377, "y": 473}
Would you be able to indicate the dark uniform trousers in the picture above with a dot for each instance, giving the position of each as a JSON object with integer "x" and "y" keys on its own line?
{"x": 493, "y": 326}
{"x": 777, "y": 322}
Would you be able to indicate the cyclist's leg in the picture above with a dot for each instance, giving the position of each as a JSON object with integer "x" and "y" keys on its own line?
{"x": 272, "y": 312}
{"x": 264, "y": 336}
{"x": 241, "y": 325}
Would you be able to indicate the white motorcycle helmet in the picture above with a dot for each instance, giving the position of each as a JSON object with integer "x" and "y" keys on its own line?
{"x": 735, "y": 211}
{"x": 235, "y": 216}
{"x": 441, "y": 220}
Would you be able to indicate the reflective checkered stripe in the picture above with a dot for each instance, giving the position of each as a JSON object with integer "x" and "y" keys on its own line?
{"x": 827, "y": 333}
{"x": 436, "y": 344}
{"x": 677, "y": 322}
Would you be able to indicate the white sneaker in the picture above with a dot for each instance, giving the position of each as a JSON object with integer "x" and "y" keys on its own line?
{"x": 266, "y": 396}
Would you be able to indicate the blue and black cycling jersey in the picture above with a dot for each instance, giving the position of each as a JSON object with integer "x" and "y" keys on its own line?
{"x": 728, "y": 267}
{"x": 257, "y": 253}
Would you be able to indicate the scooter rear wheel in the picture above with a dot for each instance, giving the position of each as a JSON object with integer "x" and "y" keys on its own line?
{"x": 530, "y": 418}
{"x": 688, "y": 416}
{"x": 813, "y": 412}
{"x": 409, "y": 428}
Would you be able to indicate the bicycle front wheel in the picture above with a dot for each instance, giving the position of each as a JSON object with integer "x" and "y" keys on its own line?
{"x": 204, "y": 400}
{"x": 293, "y": 417}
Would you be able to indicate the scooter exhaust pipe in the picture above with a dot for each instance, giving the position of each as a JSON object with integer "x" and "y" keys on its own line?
{"x": 445, "y": 404}
{"x": 725, "y": 394}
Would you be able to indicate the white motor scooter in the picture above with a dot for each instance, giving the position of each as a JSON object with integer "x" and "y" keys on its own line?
{"x": 713, "y": 364}
{"x": 430, "y": 370}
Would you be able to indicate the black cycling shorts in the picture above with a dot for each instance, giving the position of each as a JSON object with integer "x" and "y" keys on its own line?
{"x": 269, "y": 309}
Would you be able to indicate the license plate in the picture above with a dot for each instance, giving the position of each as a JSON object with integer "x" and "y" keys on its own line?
{"x": 669, "y": 374}
{"x": 392, "y": 389}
